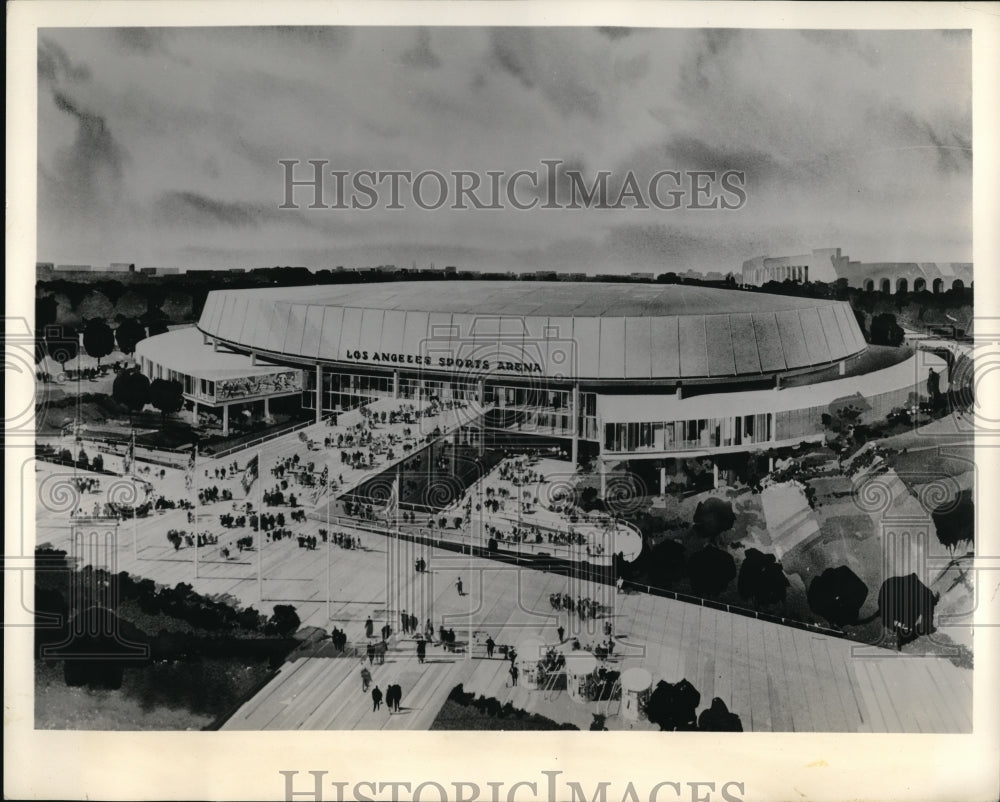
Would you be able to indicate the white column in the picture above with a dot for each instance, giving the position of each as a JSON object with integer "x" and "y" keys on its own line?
{"x": 574, "y": 423}
{"x": 319, "y": 393}
{"x": 225, "y": 420}
{"x": 267, "y": 407}
{"x": 663, "y": 480}
{"x": 715, "y": 474}
{"x": 602, "y": 467}
{"x": 253, "y": 357}
{"x": 215, "y": 344}
{"x": 395, "y": 384}
{"x": 842, "y": 367}
{"x": 194, "y": 413}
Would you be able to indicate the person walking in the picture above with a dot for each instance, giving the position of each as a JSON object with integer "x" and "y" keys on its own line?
{"x": 561, "y": 632}
{"x": 490, "y": 645}
{"x": 376, "y": 698}
{"x": 513, "y": 675}
{"x": 421, "y": 650}
{"x": 369, "y": 628}
{"x": 405, "y": 619}
{"x": 397, "y": 697}
{"x": 366, "y": 678}
{"x": 458, "y": 585}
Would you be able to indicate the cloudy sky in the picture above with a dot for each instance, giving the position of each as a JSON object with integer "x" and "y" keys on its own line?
{"x": 161, "y": 146}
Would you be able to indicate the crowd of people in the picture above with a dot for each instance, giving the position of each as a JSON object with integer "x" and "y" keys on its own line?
{"x": 585, "y": 607}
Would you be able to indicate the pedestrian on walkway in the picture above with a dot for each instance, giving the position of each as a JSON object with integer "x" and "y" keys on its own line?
{"x": 513, "y": 675}
{"x": 366, "y": 678}
{"x": 458, "y": 585}
{"x": 490, "y": 645}
{"x": 376, "y": 698}
{"x": 421, "y": 650}
{"x": 405, "y": 621}
{"x": 369, "y": 627}
{"x": 561, "y": 632}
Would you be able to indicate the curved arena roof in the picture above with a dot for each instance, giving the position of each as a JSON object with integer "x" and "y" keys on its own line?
{"x": 600, "y": 331}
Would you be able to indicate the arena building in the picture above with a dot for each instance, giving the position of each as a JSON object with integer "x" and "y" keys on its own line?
{"x": 614, "y": 371}
{"x": 829, "y": 265}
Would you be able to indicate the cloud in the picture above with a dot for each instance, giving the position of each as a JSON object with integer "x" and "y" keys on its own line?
{"x": 55, "y": 66}
{"x": 614, "y": 33}
{"x": 92, "y": 166}
{"x": 421, "y": 55}
{"x": 141, "y": 40}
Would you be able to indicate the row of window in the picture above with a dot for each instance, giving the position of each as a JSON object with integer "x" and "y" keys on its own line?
{"x": 193, "y": 386}
{"x": 688, "y": 434}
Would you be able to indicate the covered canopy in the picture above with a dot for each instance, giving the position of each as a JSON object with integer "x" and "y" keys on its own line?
{"x": 636, "y": 679}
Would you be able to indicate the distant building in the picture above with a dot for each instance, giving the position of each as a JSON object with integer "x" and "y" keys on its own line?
{"x": 642, "y": 276}
{"x": 830, "y": 264}
{"x": 74, "y": 268}
{"x": 450, "y": 270}
{"x": 121, "y": 267}
{"x": 45, "y": 266}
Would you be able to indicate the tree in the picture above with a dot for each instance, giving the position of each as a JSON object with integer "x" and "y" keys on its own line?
{"x": 837, "y": 595}
{"x": 761, "y": 578}
{"x": 711, "y": 570}
{"x": 955, "y": 521}
{"x": 714, "y": 516}
{"x": 666, "y": 562}
{"x": 131, "y": 390}
{"x": 717, "y": 718}
{"x": 285, "y": 621}
{"x": 885, "y": 330}
{"x": 906, "y": 606}
{"x": 167, "y": 395}
{"x": 98, "y": 339}
{"x": 128, "y": 334}
{"x": 672, "y": 706}
{"x": 61, "y": 343}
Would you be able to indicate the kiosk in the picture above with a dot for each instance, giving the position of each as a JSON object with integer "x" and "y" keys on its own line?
{"x": 636, "y": 685}
{"x": 579, "y": 667}
{"x": 529, "y": 652}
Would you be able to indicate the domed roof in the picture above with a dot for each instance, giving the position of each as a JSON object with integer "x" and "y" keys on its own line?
{"x": 560, "y": 330}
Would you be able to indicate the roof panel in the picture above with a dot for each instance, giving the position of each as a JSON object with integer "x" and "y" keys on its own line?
{"x": 586, "y": 333}
{"x": 371, "y": 329}
{"x": 693, "y": 346}
{"x": 665, "y": 346}
{"x": 721, "y": 360}
{"x": 772, "y": 355}
{"x": 562, "y": 357}
{"x": 638, "y": 347}
{"x": 792, "y": 339}
{"x": 312, "y": 331}
{"x": 350, "y": 331}
{"x": 260, "y": 310}
{"x": 815, "y": 338}
{"x": 439, "y": 336}
{"x": 329, "y": 343}
{"x": 612, "y": 359}
{"x": 744, "y": 344}
{"x": 415, "y": 333}
{"x": 828, "y": 319}
{"x": 296, "y": 324}
{"x": 535, "y": 345}
{"x": 392, "y": 331}
{"x": 279, "y": 324}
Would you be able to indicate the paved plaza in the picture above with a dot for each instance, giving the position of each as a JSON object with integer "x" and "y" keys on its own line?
{"x": 776, "y": 678}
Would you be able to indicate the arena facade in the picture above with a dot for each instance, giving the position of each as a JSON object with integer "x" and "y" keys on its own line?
{"x": 615, "y": 371}
{"x": 829, "y": 265}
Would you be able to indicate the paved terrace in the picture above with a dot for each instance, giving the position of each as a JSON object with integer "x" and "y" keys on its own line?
{"x": 775, "y": 678}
